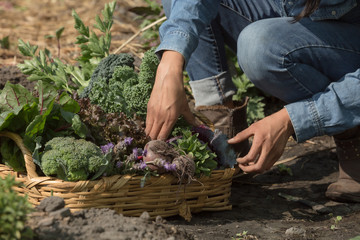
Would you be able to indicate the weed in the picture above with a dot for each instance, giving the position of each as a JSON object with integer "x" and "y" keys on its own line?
{"x": 5, "y": 43}
{"x": 58, "y": 34}
{"x": 13, "y": 211}
{"x": 244, "y": 236}
{"x": 284, "y": 169}
{"x": 337, "y": 220}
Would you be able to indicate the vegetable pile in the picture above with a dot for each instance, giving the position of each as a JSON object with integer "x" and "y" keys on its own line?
{"x": 86, "y": 121}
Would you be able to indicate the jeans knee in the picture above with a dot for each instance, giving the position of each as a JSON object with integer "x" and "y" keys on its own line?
{"x": 258, "y": 50}
{"x": 167, "y": 7}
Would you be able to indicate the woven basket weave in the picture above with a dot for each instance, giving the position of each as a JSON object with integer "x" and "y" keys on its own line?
{"x": 161, "y": 196}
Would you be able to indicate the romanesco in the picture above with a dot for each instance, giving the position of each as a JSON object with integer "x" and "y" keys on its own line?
{"x": 72, "y": 159}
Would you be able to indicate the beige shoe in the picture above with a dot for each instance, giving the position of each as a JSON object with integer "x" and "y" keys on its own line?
{"x": 347, "y": 187}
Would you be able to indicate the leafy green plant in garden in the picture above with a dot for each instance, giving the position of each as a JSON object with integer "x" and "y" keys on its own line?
{"x": 58, "y": 34}
{"x": 43, "y": 66}
{"x": 255, "y": 108}
{"x": 5, "y": 43}
{"x": 240, "y": 236}
{"x": 13, "y": 212}
{"x": 284, "y": 169}
{"x": 337, "y": 220}
{"x": 94, "y": 48}
{"x": 245, "y": 88}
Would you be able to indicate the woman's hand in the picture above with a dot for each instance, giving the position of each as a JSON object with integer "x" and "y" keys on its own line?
{"x": 270, "y": 137}
{"x": 168, "y": 99}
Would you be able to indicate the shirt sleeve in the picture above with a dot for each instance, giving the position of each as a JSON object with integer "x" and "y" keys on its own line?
{"x": 332, "y": 111}
{"x": 188, "y": 18}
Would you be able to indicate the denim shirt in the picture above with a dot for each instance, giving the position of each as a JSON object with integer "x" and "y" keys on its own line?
{"x": 309, "y": 117}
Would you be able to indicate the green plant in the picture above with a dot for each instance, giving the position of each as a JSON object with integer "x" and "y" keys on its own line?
{"x": 73, "y": 159}
{"x": 245, "y": 88}
{"x": 190, "y": 144}
{"x": 43, "y": 66}
{"x": 115, "y": 87}
{"x": 240, "y": 236}
{"x": 284, "y": 169}
{"x": 94, "y": 48}
{"x": 5, "y": 43}
{"x": 13, "y": 212}
{"x": 46, "y": 115}
{"x": 255, "y": 108}
{"x": 58, "y": 34}
{"x": 355, "y": 238}
{"x": 337, "y": 220}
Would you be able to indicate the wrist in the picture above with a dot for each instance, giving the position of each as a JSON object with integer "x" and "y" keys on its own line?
{"x": 288, "y": 124}
{"x": 174, "y": 60}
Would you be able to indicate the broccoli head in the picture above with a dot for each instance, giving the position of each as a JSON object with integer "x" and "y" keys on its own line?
{"x": 72, "y": 159}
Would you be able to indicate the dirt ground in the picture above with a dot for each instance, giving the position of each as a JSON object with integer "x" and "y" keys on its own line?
{"x": 287, "y": 202}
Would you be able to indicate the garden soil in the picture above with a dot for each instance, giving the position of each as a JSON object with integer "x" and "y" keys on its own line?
{"x": 286, "y": 202}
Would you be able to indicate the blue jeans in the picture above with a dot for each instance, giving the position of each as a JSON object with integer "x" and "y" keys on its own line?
{"x": 291, "y": 61}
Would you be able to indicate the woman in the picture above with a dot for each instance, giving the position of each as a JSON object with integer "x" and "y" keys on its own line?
{"x": 304, "y": 52}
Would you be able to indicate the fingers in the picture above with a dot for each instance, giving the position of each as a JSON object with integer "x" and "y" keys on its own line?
{"x": 149, "y": 123}
{"x": 158, "y": 129}
{"x": 259, "y": 161}
{"x": 159, "y": 124}
{"x": 241, "y": 136}
{"x": 260, "y": 166}
{"x": 166, "y": 129}
{"x": 253, "y": 154}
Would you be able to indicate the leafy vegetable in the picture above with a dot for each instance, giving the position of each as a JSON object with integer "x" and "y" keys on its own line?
{"x": 115, "y": 87}
{"x": 190, "y": 144}
{"x": 103, "y": 92}
{"x": 31, "y": 116}
{"x": 73, "y": 159}
{"x": 110, "y": 127}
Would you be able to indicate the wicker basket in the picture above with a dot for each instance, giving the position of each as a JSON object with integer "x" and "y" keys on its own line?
{"x": 161, "y": 196}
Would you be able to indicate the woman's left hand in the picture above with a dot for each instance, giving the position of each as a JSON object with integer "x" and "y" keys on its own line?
{"x": 270, "y": 136}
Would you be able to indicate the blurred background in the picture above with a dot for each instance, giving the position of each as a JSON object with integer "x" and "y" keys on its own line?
{"x": 39, "y": 22}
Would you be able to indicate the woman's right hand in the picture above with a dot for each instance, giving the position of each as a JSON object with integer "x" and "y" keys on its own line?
{"x": 168, "y": 98}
